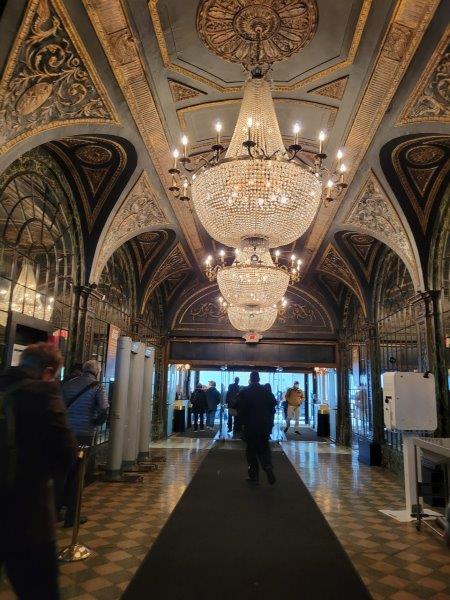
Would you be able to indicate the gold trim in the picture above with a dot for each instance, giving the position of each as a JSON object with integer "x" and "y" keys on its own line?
{"x": 24, "y": 30}
{"x": 411, "y": 17}
{"x": 181, "y": 112}
{"x": 110, "y": 22}
{"x": 422, "y": 83}
{"x": 359, "y": 28}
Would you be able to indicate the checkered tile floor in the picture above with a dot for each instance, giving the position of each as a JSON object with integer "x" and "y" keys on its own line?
{"x": 395, "y": 561}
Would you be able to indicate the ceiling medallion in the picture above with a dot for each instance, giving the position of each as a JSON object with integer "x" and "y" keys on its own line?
{"x": 425, "y": 154}
{"x": 93, "y": 154}
{"x": 249, "y": 32}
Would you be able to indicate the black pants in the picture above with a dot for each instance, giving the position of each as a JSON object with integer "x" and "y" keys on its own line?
{"x": 234, "y": 419}
{"x": 202, "y": 417}
{"x": 258, "y": 449}
{"x": 32, "y": 571}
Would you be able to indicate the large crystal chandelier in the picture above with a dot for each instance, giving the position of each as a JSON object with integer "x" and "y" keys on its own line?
{"x": 253, "y": 197}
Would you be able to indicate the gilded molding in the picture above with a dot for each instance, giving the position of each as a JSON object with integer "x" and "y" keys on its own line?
{"x": 359, "y": 28}
{"x": 139, "y": 212}
{"x": 182, "y": 91}
{"x": 114, "y": 32}
{"x": 49, "y": 80}
{"x": 181, "y": 112}
{"x": 430, "y": 99}
{"x": 373, "y": 213}
{"x": 410, "y": 20}
{"x": 335, "y": 265}
{"x": 335, "y": 89}
{"x": 174, "y": 265}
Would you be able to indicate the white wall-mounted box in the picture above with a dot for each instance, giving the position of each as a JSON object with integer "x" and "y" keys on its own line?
{"x": 409, "y": 401}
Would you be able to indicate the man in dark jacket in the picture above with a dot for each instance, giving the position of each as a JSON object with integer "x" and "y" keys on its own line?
{"x": 213, "y": 400}
{"x": 87, "y": 408}
{"x": 256, "y": 407}
{"x": 42, "y": 450}
{"x": 199, "y": 406}
{"x": 231, "y": 399}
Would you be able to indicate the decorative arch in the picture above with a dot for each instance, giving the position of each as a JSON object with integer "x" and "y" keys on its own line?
{"x": 140, "y": 212}
{"x": 373, "y": 213}
{"x": 334, "y": 264}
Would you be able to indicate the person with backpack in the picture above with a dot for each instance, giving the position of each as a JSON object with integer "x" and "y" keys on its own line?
{"x": 199, "y": 406}
{"x": 37, "y": 447}
{"x": 87, "y": 409}
{"x": 294, "y": 398}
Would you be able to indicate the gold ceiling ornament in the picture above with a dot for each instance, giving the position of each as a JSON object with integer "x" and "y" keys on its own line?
{"x": 261, "y": 32}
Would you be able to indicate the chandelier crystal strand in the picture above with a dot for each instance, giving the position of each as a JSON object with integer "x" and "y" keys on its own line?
{"x": 244, "y": 282}
{"x": 252, "y": 318}
{"x": 256, "y": 192}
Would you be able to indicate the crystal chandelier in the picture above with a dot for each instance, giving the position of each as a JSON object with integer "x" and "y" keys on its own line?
{"x": 26, "y": 300}
{"x": 253, "y": 197}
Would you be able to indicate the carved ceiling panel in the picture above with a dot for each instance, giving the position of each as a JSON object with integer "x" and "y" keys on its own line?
{"x": 182, "y": 91}
{"x": 139, "y": 212}
{"x": 252, "y": 33}
{"x": 430, "y": 99}
{"x": 147, "y": 246}
{"x": 363, "y": 248}
{"x": 333, "y": 286}
{"x": 49, "y": 79}
{"x": 335, "y": 265}
{"x": 95, "y": 163}
{"x": 201, "y": 311}
{"x": 373, "y": 213}
{"x": 422, "y": 166}
{"x": 170, "y": 272}
{"x": 335, "y": 89}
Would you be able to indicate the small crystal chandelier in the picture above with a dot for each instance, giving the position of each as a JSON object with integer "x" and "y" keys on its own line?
{"x": 26, "y": 300}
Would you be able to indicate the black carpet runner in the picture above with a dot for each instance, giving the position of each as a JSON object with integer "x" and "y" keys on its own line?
{"x": 227, "y": 540}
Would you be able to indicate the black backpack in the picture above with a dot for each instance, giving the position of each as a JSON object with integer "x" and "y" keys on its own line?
{"x": 8, "y": 447}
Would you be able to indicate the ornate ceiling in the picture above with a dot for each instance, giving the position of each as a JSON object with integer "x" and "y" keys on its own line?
{"x": 109, "y": 86}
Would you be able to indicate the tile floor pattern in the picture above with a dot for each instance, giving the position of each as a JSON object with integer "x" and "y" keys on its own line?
{"x": 124, "y": 520}
{"x": 395, "y": 561}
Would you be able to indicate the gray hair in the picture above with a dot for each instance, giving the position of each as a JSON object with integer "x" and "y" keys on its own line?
{"x": 92, "y": 366}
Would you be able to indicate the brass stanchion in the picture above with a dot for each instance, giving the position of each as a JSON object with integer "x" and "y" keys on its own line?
{"x": 74, "y": 551}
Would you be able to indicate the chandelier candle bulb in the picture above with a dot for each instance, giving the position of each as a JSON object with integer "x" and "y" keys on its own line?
{"x": 342, "y": 170}
{"x": 218, "y": 130}
{"x": 249, "y": 128}
{"x": 321, "y": 140}
{"x": 296, "y": 132}
{"x": 184, "y": 141}
{"x": 176, "y": 154}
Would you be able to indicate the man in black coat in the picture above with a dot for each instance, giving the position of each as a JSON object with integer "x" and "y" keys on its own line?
{"x": 256, "y": 407}
{"x": 41, "y": 449}
{"x": 231, "y": 400}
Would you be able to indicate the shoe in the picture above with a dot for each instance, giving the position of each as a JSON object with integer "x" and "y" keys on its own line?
{"x": 270, "y": 476}
{"x": 70, "y": 522}
{"x": 252, "y": 481}
{"x": 297, "y": 432}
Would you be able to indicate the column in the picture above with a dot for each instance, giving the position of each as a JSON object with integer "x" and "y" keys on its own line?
{"x": 133, "y": 408}
{"x": 374, "y": 389}
{"x": 118, "y": 408}
{"x": 344, "y": 430}
{"x": 146, "y": 404}
{"x": 306, "y": 398}
{"x": 87, "y": 301}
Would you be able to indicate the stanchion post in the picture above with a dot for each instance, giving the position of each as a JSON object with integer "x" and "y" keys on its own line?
{"x": 146, "y": 405}
{"x": 118, "y": 410}
{"x": 75, "y": 551}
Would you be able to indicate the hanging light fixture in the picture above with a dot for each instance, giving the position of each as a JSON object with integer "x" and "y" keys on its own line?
{"x": 252, "y": 318}
{"x": 26, "y": 300}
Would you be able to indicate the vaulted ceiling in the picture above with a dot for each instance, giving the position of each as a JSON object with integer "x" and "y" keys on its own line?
{"x": 109, "y": 86}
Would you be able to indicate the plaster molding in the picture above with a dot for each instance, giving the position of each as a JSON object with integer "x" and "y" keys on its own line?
{"x": 181, "y": 91}
{"x": 374, "y": 214}
{"x": 335, "y": 89}
{"x": 406, "y": 29}
{"x": 430, "y": 99}
{"x": 49, "y": 80}
{"x": 113, "y": 29}
{"x": 139, "y": 212}
{"x": 334, "y": 264}
{"x": 344, "y": 64}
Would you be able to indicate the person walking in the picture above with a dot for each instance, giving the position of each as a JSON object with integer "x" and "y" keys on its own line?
{"x": 268, "y": 387}
{"x": 256, "y": 409}
{"x": 294, "y": 399}
{"x": 231, "y": 400}
{"x": 213, "y": 401}
{"x": 37, "y": 447}
{"x": 87, "y": 409}
{"x": 199, "y": 406}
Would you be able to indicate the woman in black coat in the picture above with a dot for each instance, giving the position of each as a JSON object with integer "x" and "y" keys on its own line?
{"x": 199, "y": 406}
